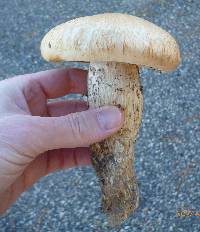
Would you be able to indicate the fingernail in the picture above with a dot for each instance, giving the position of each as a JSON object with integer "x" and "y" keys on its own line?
{"x": 109, "y": 118}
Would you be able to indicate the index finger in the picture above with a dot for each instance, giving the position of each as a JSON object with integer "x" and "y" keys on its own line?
{"x": 59, "y": 82}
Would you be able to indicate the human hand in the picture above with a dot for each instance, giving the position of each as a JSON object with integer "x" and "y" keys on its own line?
{"x": 38, "y": 137}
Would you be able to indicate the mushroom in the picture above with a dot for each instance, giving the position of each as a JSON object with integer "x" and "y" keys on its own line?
{"x": 115, "y": 45}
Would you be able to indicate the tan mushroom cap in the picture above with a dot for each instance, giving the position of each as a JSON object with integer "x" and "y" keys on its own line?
{"x": 112, "y": 37}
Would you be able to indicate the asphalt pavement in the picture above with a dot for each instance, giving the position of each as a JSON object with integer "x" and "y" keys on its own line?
{"x": 167, "y": 149}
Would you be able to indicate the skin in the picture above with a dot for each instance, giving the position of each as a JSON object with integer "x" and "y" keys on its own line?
{"x": 38, "y": 137}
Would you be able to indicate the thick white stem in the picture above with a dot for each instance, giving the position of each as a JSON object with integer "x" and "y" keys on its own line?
{"x": 111, "y": 83}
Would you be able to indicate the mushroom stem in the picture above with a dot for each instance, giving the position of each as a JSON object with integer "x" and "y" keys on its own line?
{"x": 111, "y": 83}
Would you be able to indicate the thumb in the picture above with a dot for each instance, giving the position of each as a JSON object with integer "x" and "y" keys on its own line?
{"x": 76, "y": 129}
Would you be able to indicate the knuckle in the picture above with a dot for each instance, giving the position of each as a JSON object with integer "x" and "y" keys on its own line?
{"x": 32, "y": 91}
{"x": 77, "y": 126}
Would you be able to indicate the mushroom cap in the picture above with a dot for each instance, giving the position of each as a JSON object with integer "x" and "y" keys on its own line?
{"x": 112, "y": 37}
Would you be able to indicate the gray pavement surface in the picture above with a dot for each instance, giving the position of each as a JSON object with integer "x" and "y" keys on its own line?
{"x": 167, "y": 150}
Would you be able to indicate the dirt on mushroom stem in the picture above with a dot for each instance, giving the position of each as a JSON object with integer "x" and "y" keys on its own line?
{"x": 111, "y": 83}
